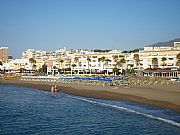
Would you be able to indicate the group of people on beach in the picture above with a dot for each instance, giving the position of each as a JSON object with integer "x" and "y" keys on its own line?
{"x": 54, "y": 89}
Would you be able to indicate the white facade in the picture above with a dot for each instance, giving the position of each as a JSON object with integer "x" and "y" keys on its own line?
{"x": 149, "y": 53}
{"x": 64, "y": 59}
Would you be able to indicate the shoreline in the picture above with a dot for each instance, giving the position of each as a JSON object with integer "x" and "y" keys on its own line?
{"x": 160, "y": 96}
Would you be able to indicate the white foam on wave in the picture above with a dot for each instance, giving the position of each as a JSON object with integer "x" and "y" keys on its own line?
{"x": 171, "y": 122}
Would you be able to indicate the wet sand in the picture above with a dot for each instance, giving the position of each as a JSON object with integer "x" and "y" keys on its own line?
{"x": 161, "y": 96}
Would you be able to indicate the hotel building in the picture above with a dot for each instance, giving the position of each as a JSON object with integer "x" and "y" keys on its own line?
{"x": 149, "y": 53}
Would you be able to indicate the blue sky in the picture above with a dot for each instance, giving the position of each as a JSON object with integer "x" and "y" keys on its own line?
{"x": 91, "y": 24}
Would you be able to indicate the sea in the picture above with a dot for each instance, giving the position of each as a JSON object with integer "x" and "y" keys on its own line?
{"x": 27, "y": 111}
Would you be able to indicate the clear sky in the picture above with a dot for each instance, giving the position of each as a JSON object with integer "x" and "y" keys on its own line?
{"x": 91, "y": 24}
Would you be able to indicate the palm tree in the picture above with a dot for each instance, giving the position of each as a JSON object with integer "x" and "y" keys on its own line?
{"x": 107, "y": 62}
{"x": 40, "y": 70}
{"x": 136, "y": 58}
{"x": 61, "y": 61}
{"x": 33, "y": 62}
{"x": 89, "y": 60}
{"x": 163, "y": 60}
{"x": 54, "y": 69}
{"x": 118, "y": 64}
{"x": 115, "y": 57}
{"x": 115, "y": 70}
{"x": 102, "y": 59}
{"x": 72, "y": 66}
{"x": 34, "y": 66}
{"x": 155, "y": 62}
{"x": 76, "y": 59}
{"x": 122, "y": 61}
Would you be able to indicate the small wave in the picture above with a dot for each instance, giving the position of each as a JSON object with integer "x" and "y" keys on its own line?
{"x": 128, "y": 110}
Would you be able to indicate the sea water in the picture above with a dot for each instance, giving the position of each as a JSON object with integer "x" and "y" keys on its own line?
{"x": 26, "y": 111}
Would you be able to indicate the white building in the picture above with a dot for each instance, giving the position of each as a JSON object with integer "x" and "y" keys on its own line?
{"x": 149, "y": 53}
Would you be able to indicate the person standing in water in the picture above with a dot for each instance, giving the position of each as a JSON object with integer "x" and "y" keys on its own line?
{"x": 52, "y": 89}
{"x": 55, "y": 88}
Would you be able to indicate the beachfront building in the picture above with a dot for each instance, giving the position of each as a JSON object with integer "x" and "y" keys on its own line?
{"x": 96, "y": 62}
{"x": 79, "y": 61}
{"x": 100, "y": 62}
{"x": 59, "y": 57}
{"x": 160, "y": 61}
{"x": 164, "y": 57}
{"x": 19, "y": 63}
{"x": 17, "y": 66}
{"x": 133, "y": 61}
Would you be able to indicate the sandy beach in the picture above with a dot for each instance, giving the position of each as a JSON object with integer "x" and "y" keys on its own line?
{"x": 158, "y": 95}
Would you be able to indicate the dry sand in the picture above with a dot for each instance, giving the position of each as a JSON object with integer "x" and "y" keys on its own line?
{"x": 161, "y": 96}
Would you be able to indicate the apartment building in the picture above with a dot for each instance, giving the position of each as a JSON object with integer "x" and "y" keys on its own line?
{"x": 4, "y": 54}
{"x": 96, "y": 62}
{"x": 169, "y": 53}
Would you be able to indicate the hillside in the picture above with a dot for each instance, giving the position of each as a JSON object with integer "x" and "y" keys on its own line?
{"x": 168, "y": 43}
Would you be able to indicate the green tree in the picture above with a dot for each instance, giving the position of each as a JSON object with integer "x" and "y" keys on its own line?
{"x": 125, "y": 52}
{"x": 123, "y": 72}
{"x": 33, "y": 62}
{"x": 40, "y": 70}
{"x": 132, "y": 71}
{"x": 102, "y": 58}
{"x": 72, "y": 66}
{"x": 115, "y": 70}
{"x": 98, "y": 50}
{"x": 155, "y": 62}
